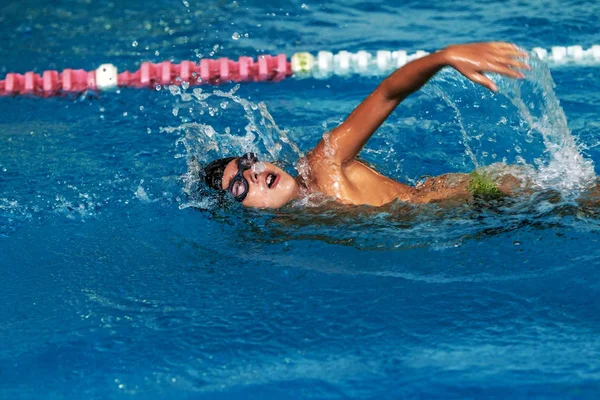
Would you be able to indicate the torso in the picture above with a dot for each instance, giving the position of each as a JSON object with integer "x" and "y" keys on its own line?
{"x": 355, "y": 183}
{"x": 448, "y": 188}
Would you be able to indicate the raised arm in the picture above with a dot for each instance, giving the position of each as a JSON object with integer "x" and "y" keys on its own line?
{"x": 471, "y": 60}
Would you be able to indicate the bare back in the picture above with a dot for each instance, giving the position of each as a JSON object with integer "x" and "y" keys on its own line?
{"x": 355, "y": 183}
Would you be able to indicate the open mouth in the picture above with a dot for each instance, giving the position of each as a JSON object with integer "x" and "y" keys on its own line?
{"x": 271, "y": 180}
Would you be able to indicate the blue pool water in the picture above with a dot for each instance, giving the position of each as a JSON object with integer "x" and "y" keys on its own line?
{"x": 120, "y": 281}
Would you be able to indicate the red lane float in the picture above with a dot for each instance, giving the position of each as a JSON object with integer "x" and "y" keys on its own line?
{"x": 206, "y": 72}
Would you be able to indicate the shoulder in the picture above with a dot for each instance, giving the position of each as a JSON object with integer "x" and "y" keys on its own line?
{"x": 323, "y": 171}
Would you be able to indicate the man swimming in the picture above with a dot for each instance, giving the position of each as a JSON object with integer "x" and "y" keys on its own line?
{"x": 333, "y": 169}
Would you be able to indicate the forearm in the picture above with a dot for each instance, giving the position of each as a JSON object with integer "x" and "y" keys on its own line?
{"x": 412, "y": 76}
{"x": 350, "y": 137}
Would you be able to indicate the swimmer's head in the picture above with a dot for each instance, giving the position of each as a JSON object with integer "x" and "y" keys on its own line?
{"x": 251, "y": 182}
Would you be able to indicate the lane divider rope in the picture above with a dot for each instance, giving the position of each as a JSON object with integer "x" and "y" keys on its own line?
{"x": 246, "y": 69}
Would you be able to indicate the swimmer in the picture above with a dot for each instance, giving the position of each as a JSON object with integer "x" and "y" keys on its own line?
{"x": 333, "y": 168}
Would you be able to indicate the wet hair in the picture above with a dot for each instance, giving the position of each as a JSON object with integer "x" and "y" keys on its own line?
{"x": 213, "y": 172}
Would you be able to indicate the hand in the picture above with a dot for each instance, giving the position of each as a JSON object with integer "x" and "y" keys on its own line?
{"x": 473, "y": 59}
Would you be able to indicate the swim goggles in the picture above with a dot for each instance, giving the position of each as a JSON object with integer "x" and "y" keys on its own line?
{"x": 239, "y": 186}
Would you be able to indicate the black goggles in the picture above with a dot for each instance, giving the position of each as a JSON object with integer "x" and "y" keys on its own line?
{"x": 239, "y": 186}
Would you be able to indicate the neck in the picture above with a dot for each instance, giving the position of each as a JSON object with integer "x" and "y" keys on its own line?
{"x": 303, "y": 188}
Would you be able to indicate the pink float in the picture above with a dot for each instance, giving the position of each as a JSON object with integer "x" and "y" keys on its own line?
{"x": 207, "y": 71}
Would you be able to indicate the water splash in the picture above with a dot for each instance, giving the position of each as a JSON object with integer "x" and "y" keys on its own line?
{"x": 512, "y": 130}
{"x": 564, "y": 168}
{"x": 523, "y": 125}
{"x": 204, "y": 142}
{"x": 141, "y": 194}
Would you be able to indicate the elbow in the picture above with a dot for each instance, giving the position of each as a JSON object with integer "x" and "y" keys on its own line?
{"x": 385, "y": 90}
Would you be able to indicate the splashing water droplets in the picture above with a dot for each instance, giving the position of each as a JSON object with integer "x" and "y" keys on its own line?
{"x": 175, "y": 90}
{"x": 523, "y": 124}
{"x": 258, "y": 167}
{"x": 565, "y": 168}
{"x": 235, "y": 126}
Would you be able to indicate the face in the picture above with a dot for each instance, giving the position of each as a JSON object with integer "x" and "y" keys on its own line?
{"x": 268, "y": 187}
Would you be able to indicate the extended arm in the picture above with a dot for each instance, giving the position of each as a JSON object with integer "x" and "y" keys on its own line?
{"x": 471, "y": 60}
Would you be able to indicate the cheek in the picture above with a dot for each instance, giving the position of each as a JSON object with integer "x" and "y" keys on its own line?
{"x": 287, "y": 186}
{"x": 259, "y": 197}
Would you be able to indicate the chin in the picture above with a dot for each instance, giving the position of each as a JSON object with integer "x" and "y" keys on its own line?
{"x": 286, "y": 194}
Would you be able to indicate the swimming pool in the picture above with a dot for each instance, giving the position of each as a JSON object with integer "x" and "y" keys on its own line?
{"x": 116, "y": 284}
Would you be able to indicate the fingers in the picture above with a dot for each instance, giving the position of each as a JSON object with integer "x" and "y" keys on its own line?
{"x": 506, "y": 50}
{"x": 513, "y": 54}
{"x": 508, "y": 66}
{"x": 507, "y": 60}
{"x": 473, "y": 60}
{"x": 505, "y": 70}
{"x": 506, "y": 47}
{"x": 514, "y": 63}
{"x": 483, "y": 80}
{"x": 503, "y": 45}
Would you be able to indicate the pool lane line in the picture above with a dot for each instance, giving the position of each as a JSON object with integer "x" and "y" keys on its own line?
{"x": 246, "y": 69}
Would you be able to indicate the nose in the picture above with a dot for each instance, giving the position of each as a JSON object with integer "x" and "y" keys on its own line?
{"x": 251, "y": 176}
